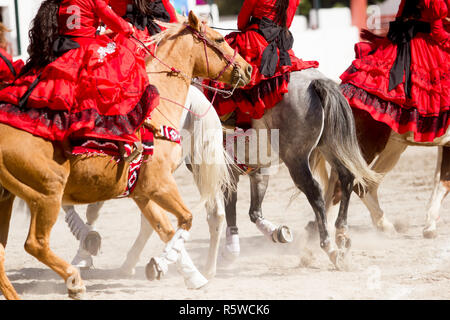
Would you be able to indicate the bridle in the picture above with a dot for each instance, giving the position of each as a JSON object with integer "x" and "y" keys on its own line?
{"x": 231, "y": 62}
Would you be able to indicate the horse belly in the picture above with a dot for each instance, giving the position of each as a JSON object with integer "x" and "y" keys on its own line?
{"x": 95, "y": 179}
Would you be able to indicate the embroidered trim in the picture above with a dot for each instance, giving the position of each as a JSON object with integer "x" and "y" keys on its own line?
{"x": 104, "y": 51}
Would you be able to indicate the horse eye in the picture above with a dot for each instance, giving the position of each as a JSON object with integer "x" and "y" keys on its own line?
{"x": 219, "y": 40}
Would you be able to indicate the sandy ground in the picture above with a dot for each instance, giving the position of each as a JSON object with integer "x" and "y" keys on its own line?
{"x": 403, "y": 267}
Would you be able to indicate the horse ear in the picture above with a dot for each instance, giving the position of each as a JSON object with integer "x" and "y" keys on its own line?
{"x": 194, "y": 22}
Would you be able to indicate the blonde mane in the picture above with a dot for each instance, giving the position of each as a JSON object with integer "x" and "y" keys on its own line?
{"x": 172, "y": 29}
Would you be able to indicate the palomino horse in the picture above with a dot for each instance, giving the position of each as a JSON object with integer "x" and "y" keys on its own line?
{"x": 378, "y": 141}
{"x": 45, "y": 175}
{"x": 206, "y": 158}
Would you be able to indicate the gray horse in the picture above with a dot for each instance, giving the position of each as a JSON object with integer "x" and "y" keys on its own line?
{"x": 313, "y": 117}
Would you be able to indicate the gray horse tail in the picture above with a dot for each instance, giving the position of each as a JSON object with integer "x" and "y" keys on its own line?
{"x": 339, "y": 135}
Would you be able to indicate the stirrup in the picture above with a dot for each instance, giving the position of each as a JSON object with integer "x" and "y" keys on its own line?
{"x": 138, "y": 150}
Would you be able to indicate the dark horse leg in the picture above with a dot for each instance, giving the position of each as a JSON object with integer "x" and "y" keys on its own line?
{"x": 232, "y": 247}
{"x": 258, "y": 187}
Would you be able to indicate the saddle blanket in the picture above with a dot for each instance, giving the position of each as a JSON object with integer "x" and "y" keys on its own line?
{"x": 110, "y": 148}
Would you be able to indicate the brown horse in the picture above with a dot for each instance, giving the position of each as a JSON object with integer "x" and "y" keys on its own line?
{"x": 44, "y": 174}
{"x": 382, "y": 146}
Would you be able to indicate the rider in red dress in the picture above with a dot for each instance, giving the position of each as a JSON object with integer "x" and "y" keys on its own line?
{"x": 78, "y": 83}
{"x": 266, "y": 43}
{"x": 8, "y": 68}
{"x": 144, "y": 14}
{"x": 403, "y": 80}
{"x": 141, "y": 11}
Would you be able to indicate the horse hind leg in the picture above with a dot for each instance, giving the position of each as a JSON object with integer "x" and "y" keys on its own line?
{"x": 258, "y": 187}
{"x": 385, "y": 162}
{"x": 6, "y": 204}
{"x": 301, "y": 174}
{"x": 5, "y": 285}
{"x": 90, "y": 239}
{"x": 440, "y": 191}
{"x": 5, "y": 216}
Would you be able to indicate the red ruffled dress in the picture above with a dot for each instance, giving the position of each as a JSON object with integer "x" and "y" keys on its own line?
{"x": 264, "y": 90}
{"x": 99, "y": 89}
{"x": 423, "y": 105}
{"x": 146, "y": 26}
{"x": 9, "y": 69}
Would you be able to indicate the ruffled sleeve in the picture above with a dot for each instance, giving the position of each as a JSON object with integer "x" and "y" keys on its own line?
{"x": 246, "y": 13}
{"x": 171, "y": 10}
{"x": 111, "y": 19}
{"x": 293, "y": 5}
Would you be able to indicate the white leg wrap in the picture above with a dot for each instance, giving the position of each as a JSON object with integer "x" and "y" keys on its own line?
{"x": 192, "y": 277}
{"x": 77, "y": 226}
{"x": 175, "y": 252}
{"x": 232, "y": 243}
{"x": 82, "y": 259}
{"x": 266, "y": 227}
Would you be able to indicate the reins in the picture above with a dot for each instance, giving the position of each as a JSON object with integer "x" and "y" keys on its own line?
{"x": 195, "y": 81}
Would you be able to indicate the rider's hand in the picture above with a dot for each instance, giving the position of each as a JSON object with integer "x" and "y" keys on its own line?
{"x": 133, "y": 32}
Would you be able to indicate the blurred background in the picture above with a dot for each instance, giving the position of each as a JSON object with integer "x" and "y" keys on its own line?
{"x": 324, "y": 30}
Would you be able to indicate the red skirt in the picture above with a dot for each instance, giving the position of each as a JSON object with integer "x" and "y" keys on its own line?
{"x": 251, "y": 101}
{"x": 426, "y": 112}
{"x": 99, "y": 90}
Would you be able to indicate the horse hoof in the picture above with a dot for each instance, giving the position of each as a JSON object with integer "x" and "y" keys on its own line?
{"x": 83, "y": 262}
{"x": 282, "y": 235}
{"x": 152, "y": 271}
{"x": 343, "y": 242}
{"x": 93, "y": 242}
{"x": 337, "y": 257}
{"x": 196, "y": 282}
{"x": 127, "y": 272}
{"x": 77, "y": 294}
{"x": 230, "y": 256}
{"x": 209, "y": 273}
{"x": 386, "y": 227}
{"x": 429, "y": 234}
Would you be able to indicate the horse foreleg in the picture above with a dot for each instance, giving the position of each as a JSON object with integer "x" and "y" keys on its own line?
{"x": 301, "y": 175}
{"x": 441, "y": 189}
{"x": 216, "y": 219}
{"x": 174, "y": 251}
{"x": 5, "y": 285}
{"x": 145, "y": 232}
{"x": 258, "y": 187}
{"x": 385, "y": 162}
